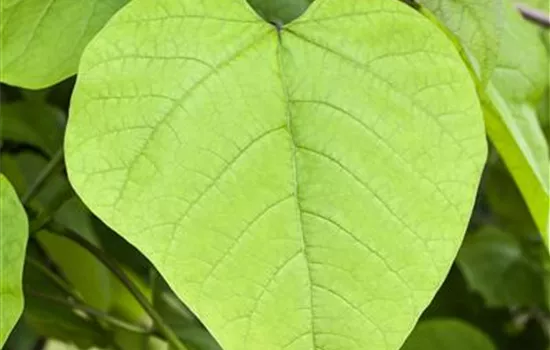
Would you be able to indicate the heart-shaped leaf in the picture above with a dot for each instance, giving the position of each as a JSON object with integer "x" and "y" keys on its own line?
{"x": 283, "y": 181}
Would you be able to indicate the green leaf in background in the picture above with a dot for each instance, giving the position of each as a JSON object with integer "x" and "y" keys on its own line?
{"x": 94, "y": 285}
{"x": 34, "y": 123}
{"x": 280, "y": 11}
{"x": 520, "y": 78}
{"x": 507, "y": 204}
{"x": 14, "y": 232}
{"x": 447, "y": 334}
{"x": 295, "y": 187}
{"x": 97, "y": 286}
{"x": 42, "y": 40}
{"x": 57, "y": 345}
{"x": 22, "y": 337}
{"x": 477, "y": 25}
{"x": 124, "y": 305}
{"x": 49, "y": 311}
{"x": 58, "y": 321}
{"x": 495, "y": 264}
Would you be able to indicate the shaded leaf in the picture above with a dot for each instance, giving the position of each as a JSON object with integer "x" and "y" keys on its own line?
{"x": 42, "y": 40}
{"x": 22, "y": 337}
{"x": 69, "y": 257}
{"x": 507, "y": 205}
{"x": 123, "y": 303}
{"x": 14, "y": 231}
{"x": 280, "y": 11}
{"x": 58, "y": 345}
{"x": 49, "y": 312}
{"x": 448, "y": 334}
{"x": 34, "y": 123}
{"x": 284, "y": 183}
{"x": 58, "y": 321}
{"x": 495, "y": 264}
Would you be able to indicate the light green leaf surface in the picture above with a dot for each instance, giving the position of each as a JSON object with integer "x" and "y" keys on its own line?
{"x": 495, "y": 265}
{"x": 477, "y": 25}
{"x": 14, "y": 229}
{"x": 538, "y": 4}
{"x": 284, "y": 184}
{"x": 518, "y": 82}
{"x": 447, "y": 334}
{"x": 42, "y": 40}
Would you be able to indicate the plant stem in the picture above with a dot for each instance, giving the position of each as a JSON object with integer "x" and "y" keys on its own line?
{"x": 75, "y": 301}
{"x": 58, "y": 281}
{"x": 43, "y": 176}
{"x": 533, "y": 15}
{"x": 161, "y": 325}
{"x": 46, "y": 215}
{"x": 78, "y": 305}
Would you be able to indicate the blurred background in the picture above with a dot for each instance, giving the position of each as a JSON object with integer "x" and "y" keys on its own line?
{"x": 496, "y": 295}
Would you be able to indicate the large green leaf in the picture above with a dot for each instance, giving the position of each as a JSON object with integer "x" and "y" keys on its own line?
{"x": 518, "y": 82}
{"x": 447, "y": 334}
{"x": 294, "y": 187}
{"x": 13, "y": 240}
{"x": 495, "y": 264}
{"x": 477, "y": 25}
{"x": 42, "y": 41}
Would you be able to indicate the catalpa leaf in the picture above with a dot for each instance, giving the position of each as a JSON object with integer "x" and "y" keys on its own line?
{"x": 448, "y": 334}
{"x": 13, "y": 241}
{"x": 283, "y": 181}
{"x": 477, "y": 24}
{"x": 42, "y": 41}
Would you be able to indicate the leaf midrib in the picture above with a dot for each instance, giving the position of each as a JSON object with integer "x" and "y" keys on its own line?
{"x": 287, "y": 101}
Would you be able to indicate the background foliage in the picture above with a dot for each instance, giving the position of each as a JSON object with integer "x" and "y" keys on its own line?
{"x": 496, "y": 295}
